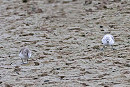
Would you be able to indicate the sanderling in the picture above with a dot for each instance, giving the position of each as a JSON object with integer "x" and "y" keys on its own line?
{"x": 24, "y": 54}
{"x": 108, "y": 40}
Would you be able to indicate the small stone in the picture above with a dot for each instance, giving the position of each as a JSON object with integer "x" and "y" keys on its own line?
{"x": 96, "y": 47}
{"x": 74, "y": 0}
{"x": 106, "y": 86}
{"x": 39, "y": 10}
{"x": 46, "y": 81}
{"x": 43, "y": 74}
{"x": 127, "y": 65}
{"x": 111, "y": 26}
{"x": 67, "y": 1}
{"x": 101, "y": 26}
{"x": 102, "y": 30}
{"x": 117, "y": 0}
{"x": 57, "y": 68}
{"x": 7, "y": 85}
{"x": 61, "y": 77}
{"x": 83, "y": 35}
{"x": 104, "y": 6}
{"x": 17, "y": 68}
{"x": 88, "y": 2}
{"x": 84, "y": 84}
{"x": 35, "y": 78}
{"x": 0, "y": 82}
{"x": 25, "y": 1}
{"x": 36, "y": 63}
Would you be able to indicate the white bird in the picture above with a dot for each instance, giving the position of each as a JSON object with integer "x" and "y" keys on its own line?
{"x": 108, "y": 40}
{"x": 24, "y": 54}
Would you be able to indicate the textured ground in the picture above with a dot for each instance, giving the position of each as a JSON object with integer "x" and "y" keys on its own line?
{"x": 65, "y": 39}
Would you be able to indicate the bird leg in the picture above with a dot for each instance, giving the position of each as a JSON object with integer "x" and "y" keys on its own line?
{"x": 22, "y": 61}
{"x": 102, "y": 49}
{"x": 112, "y": 47}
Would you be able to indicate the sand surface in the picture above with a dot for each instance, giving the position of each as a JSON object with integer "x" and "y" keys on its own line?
{"x": 65, "y": 39}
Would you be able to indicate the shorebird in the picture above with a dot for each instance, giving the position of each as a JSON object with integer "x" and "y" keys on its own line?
{"x": 24, "y": 54}
{"x": 108, "y": 40}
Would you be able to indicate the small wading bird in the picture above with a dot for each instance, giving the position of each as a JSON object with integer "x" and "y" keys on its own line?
{"x": 24, "y": 54}
{"x": 108, "y": 40}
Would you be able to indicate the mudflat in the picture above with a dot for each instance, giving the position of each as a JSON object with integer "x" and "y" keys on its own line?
{"x": 65, "y": 39}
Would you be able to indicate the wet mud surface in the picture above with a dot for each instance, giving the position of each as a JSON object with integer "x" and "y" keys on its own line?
{"x": 65, "y": 39}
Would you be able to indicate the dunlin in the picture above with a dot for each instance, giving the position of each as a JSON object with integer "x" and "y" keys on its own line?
{"x": 108, "y": 40}
{"x": 24, "y": 54}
